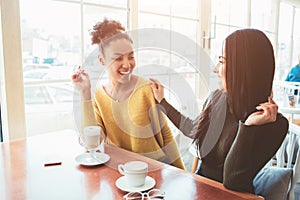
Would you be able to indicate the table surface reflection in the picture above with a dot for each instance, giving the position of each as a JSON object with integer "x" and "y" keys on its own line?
{"x": 24, "y": 176}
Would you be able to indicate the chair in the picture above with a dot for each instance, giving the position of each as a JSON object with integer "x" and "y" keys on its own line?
{"x": 287, "y": 96}
{"x": 288, "y": 156}
{"x": 277, "y": 180}
{"x": 283, "y": 90}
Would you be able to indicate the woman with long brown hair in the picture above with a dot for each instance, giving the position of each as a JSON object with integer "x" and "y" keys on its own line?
{"x": 239, "y": 130}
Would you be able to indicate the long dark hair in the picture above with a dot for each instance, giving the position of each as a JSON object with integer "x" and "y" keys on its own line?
{"x": 249, "y": 74}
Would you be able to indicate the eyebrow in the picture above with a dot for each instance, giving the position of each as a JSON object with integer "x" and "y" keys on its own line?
{"x": 121, "y": 54}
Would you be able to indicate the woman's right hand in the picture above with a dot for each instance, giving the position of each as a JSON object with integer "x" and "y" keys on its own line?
{"x": 158, "y": 90}
{"x": 82, "y": 82}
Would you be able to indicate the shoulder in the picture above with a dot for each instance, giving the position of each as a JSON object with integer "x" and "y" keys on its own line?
{"x": 143, "y": 81}
{"x": 280, "y": 126}
{"x": 143, "y": 85}
{"x": 278, "y": 129}
{"x": 100, "y": 95}
{"x": 297, "y": 68}
{"x": 99, "y": 91}
{"x": 143, "y": 92}
{"x": 216, "y": 96}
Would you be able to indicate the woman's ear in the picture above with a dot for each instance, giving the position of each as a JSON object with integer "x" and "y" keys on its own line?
{"x": 101, "y": 60}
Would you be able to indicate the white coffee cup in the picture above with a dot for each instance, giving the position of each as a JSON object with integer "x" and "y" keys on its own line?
{"x": 135, "y": 172}
{"x": 92, "y": 138}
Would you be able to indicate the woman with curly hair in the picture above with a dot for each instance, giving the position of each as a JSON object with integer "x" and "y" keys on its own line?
{"x": 125, "y": 107}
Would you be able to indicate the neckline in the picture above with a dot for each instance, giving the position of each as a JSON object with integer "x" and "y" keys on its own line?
{"x": 125, "y": 100}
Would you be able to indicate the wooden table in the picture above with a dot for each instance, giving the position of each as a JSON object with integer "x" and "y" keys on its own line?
{"x": 24, "y": 176}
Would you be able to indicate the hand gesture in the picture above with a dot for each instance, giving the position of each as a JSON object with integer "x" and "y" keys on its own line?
{"x": 158, "y": 90}
{"x": 82, "y": 82}
{"x": 266, "y": 113}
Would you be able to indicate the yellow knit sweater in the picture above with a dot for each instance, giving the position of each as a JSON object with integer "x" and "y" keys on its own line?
{"x": 134, "y": 124}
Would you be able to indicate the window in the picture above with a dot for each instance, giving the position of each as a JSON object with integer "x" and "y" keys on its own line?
{"x": 288, "y": 39}
{"x": 1, "y": 137}
{"x": 36, "y": 95}
{"x": 284, "y": 38}
{"x": 55, "y": 36}
{"x": 163, "y": 59}
{"x": 281, "y": 27}
{"x": 296, "y": 37}
{"x": 51, "y": 46}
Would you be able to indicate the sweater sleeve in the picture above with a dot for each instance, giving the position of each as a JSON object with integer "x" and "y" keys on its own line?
{"x": 183, "y": 123}
{"x": 88, "y": 115}
{"x": 252, "y": 148}
{"x": 170, "y": 147}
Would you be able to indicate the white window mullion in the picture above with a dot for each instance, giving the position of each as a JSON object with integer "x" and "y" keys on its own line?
{"x": 13, "y": 71}
{"x": 277, "y": 26}
{"x": 133, "y": 14}
{"x": 292, "y": 36}
{"x": 82, "y": 32}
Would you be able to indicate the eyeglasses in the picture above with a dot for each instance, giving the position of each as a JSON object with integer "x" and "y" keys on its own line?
{"x": 221, "y": 59}
{"x": 154, "y": 194}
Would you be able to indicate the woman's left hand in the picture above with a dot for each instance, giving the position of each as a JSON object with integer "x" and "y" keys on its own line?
{"x": 266, "y": 113}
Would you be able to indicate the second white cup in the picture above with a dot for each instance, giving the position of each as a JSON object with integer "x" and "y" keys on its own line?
{"x": 135, "y": 172}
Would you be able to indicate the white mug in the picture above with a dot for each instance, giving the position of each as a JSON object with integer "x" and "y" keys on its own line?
{"x": 135, "y": 172}
{"x": 92, "y": 138}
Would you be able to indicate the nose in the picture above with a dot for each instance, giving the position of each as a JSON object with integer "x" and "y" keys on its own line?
{"x": 216, "y": 69}
{"x": 126, "y": 64}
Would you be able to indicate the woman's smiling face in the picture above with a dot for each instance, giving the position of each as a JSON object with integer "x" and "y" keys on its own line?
{"x": 119, "y": 58}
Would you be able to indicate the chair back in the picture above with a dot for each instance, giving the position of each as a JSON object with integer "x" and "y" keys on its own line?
{"x": 288, "y": 156}
{"x": 286, "y": 93}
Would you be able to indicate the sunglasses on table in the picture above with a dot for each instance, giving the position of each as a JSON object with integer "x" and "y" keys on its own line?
{"x": 154, "y": 194}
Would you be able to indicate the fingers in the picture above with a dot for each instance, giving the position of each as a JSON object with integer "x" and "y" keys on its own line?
{"x": 154, "y": 87}
{"x": 79, "y": 75}
{"x": 270, "y": 99}
{"x": 155, "y": 84}
{"x": 154, "y": 80}
{"x": 269, "y": 111}
{"x": 74, "y": 77}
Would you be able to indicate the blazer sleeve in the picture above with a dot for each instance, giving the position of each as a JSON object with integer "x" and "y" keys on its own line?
{"x": 252, "y": 148}
{"x": 183, "y": 123}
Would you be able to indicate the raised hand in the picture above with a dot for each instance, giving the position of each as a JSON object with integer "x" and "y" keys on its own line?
{"x": 158, "y": 90}
{"x": 266, "y": 113}
{"x": 82, "y": 82}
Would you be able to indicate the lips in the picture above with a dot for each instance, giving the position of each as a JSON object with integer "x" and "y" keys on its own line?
{"x": 125, "y": 72}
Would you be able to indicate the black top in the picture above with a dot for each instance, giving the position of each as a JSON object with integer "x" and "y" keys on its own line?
{"x": 239, "y": 151}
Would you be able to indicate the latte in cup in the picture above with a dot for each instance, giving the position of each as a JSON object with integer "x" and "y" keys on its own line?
{"x": 135, "y": 172}
{"x": 91, "y": 137}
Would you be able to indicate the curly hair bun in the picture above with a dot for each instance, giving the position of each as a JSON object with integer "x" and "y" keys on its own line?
{"x": 105, "y": 29}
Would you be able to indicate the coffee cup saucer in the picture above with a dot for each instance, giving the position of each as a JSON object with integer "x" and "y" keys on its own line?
{"x": 88, "y": 159}
{"x": 122, "y": 185}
